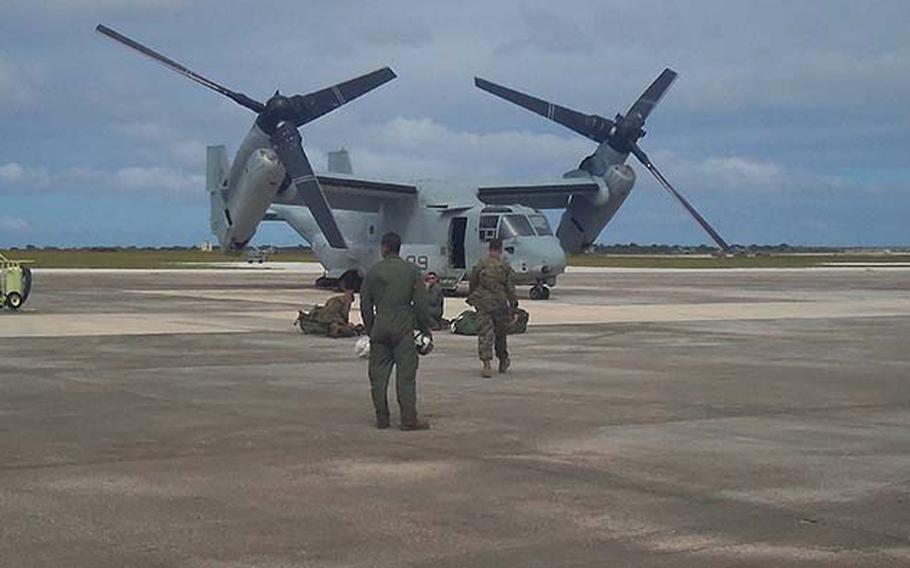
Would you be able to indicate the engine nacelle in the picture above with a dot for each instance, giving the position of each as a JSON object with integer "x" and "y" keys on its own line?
{"x": 253, "y": 194}
{"x": 617, "y": 182}
{"x": 585, "y": 217}
{"x": 619, "y": 179}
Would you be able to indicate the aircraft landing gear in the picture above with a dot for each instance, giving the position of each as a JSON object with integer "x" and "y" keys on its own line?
{"x": 349, "y": 280}
{"x": 326, "y": 283}
{"x": 540, "y": 292}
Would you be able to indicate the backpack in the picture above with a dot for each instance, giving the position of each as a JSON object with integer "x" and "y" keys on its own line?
{"x": 466, "y": 323}
{"x": 308, "y": 322}
{"x": 521, "y": 324}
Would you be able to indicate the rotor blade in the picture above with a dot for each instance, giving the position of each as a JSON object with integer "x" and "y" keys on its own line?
{"x": 652, "y": 95}
{"x": 287, "y": 143}
{"x": 311, "y": 106}
{"x": 591, "y": 126}
{"x": 238, "y": 98}
{"x": 646, "y": 162}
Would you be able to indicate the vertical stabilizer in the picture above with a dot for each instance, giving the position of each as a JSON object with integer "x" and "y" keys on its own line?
{"x": 217, "y": 167}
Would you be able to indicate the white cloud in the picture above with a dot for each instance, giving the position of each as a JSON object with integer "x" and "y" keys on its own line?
{"x": 168, "y": 182}
{"x": 158, "y": 179}
{"x": 15, "y": 174}
{"x": 11, "y": 172}
{"x": 777, "y": 96}
{"x": 737, "y": 170}
{"x": 14, "y": 224}
{"x": 145, "y": 130}
{"x": 549, "y": 32}
{"x": 190, "y": 153}
{"x": 57, "y": 6}
{"x": 154, "y": 139}
{"x": 420, "y": 148}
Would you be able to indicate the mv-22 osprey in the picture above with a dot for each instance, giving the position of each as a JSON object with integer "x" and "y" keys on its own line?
{"x": 445, "y": 227}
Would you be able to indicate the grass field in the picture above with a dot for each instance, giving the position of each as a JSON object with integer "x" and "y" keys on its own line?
{"x": 127, "y": 258}
{"x": 767, "y": 261}
{"x": 193, "y": 258}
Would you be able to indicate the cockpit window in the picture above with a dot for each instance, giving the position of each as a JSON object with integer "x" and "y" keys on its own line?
{"x": 489, "y": 221}
{"x": 515, "y": 226}
{"x": 541, "y": 225}
{"x": 488, "y": 224}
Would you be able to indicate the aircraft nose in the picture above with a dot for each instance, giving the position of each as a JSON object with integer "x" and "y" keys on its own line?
{"x": 553, "y": 259}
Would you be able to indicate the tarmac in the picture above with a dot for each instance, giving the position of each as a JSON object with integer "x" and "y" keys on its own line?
{"x": 651, "y": 418}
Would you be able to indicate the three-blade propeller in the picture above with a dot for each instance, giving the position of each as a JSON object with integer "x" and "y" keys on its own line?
{"x": 621, "y": 134}
{"x": 280, "y": 117}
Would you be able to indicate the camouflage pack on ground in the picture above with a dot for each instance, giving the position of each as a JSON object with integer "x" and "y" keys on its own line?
{"x": 307, "y": 321}
{"x": 466, "y": 323}
{"x": 310, "y": 325}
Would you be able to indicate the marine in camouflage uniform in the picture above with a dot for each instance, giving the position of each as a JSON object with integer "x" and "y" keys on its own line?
{"x": 492, "y": 293}
{"x": 335, "y": 315}
{"x": 392, "y": 303}
{"x": 435, "y": 302}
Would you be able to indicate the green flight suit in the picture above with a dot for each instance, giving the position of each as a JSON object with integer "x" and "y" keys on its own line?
{"x": 392, "y": 303}
{"x": 492, "y": 293}
{"x": 435, "y": 305}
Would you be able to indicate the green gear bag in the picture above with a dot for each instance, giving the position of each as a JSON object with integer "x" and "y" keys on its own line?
{"x": 466, "y": 323}
{"x": 520, "y": 325}
{"x": 308, "y": 322}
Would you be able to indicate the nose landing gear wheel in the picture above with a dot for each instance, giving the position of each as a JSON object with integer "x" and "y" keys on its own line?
{"x": 13, "y": 300}
{"x": 540, "y": 292}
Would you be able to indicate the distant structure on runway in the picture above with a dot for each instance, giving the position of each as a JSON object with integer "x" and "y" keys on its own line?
{"x": 445, "y": 227}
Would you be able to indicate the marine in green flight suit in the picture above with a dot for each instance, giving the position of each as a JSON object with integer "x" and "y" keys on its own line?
{"x": 392, "y": 303}
{"x": 492, "y": 293}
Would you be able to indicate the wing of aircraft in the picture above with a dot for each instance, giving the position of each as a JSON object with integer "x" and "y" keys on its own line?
{"x": 553, "y": 195}
{"x": 348, "y": 192}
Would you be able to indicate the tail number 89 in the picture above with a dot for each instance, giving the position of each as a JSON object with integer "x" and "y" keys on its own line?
{"x": 421, "y": 260}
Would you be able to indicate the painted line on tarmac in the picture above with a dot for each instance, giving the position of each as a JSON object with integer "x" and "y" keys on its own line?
{"x": 542, "y": 314}
{"x": 317, "y": 269}
{"x": 872, "y": 267}
{"x": 195, "y": 268}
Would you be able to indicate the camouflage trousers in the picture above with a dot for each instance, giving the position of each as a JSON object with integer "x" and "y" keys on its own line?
{"x": 492, "y": 328}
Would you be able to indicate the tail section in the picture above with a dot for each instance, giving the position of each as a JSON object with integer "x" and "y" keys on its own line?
{"x": 217, "y": 167}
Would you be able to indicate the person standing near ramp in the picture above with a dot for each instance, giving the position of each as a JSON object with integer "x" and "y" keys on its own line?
{"x": 435, "y": 302}
{"x": 492, "y": 293}
{"x": 392, "y": 302}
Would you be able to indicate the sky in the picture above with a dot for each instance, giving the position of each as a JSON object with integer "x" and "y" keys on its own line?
{"x": 789, "y": 121}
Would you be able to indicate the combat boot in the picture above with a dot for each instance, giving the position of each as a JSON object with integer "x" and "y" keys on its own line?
{"x": 504, "y": 364}
{"x": 416, "y": 424}
{"x": 487, "y": 371}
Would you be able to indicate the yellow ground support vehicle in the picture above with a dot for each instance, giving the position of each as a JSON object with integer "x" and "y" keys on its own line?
{"x": 15, "y": 283}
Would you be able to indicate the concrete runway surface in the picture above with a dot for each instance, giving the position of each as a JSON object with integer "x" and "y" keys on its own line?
{"x": 684, "y": 418}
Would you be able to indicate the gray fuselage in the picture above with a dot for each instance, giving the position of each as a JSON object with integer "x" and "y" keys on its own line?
{"x": 444, "y": 227}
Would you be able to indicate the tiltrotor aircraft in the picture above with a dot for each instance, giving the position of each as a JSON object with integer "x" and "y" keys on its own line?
{"x": 445, "y": 227}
